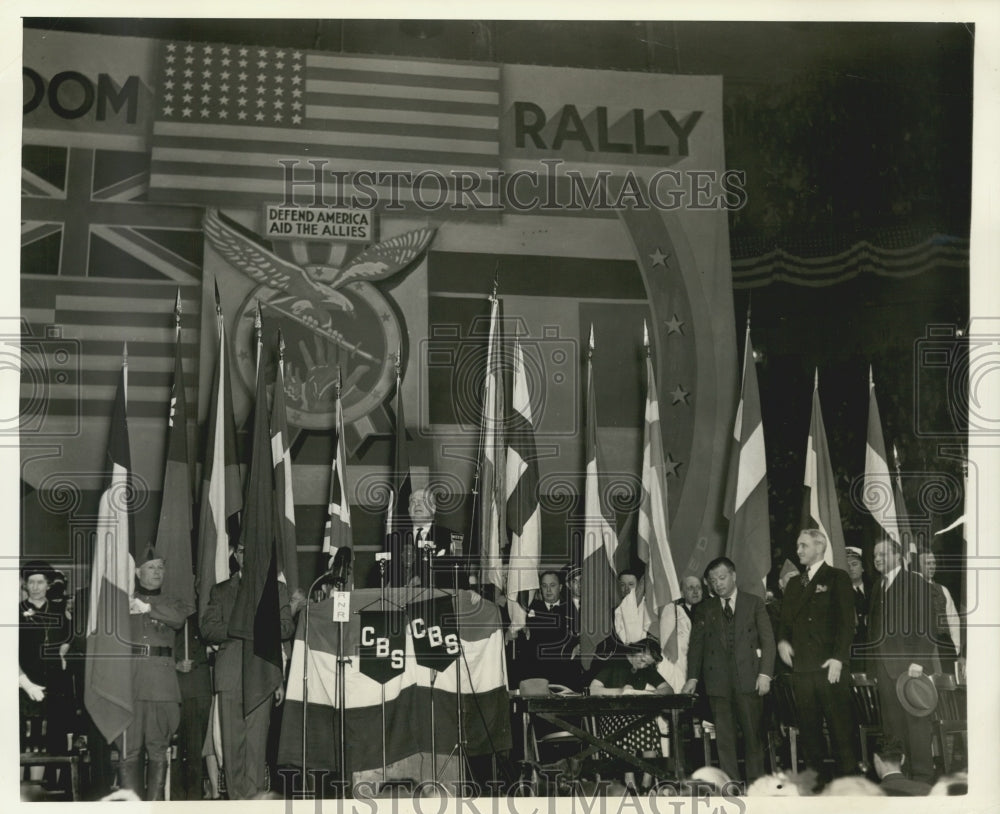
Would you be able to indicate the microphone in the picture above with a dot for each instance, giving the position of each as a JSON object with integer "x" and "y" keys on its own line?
{"x": 341, "y": 566}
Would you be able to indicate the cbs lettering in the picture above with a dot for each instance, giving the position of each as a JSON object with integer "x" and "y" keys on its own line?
{"x": 381, "y": 645}
{"x": 435, "y": 636}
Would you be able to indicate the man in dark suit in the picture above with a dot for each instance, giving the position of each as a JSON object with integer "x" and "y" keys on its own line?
{"x": 550, "y": 641}
{"x": 415, "y": 547}
{"x": 244, "y": 738}
{"x": 814, "y": 639}
{"x": 732, "y": 647}
{"x": 861, "y": 584}
{"x": 903, "y": 628}
{"x": 888, "y": 762}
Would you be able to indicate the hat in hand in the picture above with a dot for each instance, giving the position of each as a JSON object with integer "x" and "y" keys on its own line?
{"x": 917, "y": 694}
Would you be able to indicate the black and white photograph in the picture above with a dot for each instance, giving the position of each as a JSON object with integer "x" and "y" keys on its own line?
{"x": 474, "y": 412}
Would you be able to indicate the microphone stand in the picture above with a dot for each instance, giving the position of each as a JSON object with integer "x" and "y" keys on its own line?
{"x": 430, "y": 585}
{"x": 460, "y": 745}
{"x": 305, "y": 674}
{"x": 381, "y": 574}
{"x": 339, "y": 584}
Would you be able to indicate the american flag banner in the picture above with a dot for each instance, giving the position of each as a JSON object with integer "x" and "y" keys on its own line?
{"x": 230, "y": 119}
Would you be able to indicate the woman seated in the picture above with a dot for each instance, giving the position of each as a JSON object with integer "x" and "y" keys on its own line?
{"x": 632, "y": 673}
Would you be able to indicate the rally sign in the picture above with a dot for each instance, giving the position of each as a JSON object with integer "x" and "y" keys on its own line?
{"x": 383, "y": 645}
{"x": 333, "y": 223}
{"x": 434, "y": 632}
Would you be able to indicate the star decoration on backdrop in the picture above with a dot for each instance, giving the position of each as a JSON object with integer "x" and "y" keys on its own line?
{"x": 674, "y": 326}
{"x": 680, "y": 395}
{"x": 670, "y": 466}
{"x": 660, "y": 259}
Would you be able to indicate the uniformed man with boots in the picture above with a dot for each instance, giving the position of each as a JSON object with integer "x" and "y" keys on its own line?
{"x": 156, "y": 696}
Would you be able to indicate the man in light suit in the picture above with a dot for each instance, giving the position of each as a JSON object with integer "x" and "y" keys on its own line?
{"x": 903, "y": 628}
{"x": 816, "y": 629}
{"x": 244, "y": 738}
{"x": 732, "y": 647}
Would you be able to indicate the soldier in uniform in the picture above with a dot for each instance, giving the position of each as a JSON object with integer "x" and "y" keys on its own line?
{"x": 156, "y": 701}
{"x": 244, "y": 738}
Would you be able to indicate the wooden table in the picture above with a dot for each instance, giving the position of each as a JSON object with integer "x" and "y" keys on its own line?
{"x": 557, "y": 708}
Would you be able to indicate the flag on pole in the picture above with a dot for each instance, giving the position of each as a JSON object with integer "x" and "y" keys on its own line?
{"x": 662, "y": 586}
{"x": 492, "y": 494}
{"x": 398, "y": 512}
{"x": 173, "y": 532}
{"x": 523, "y": 512}
{"x": 338, "y": 522}
{"x": 281, "y": 459}
{"x": 600, "y": 541}
{"x": 820, "y": 507}
{"x": 907, "y": 538}
{"x": 748, "y": 542}
{"x": 108, "y": 677}
{"x": 256, "y": 613}
{"x": 878, "y": 492}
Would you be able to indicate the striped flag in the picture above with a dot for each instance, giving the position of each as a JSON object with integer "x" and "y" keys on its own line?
{"x": 230, "y": 119}
{"x": 748, "y": 543}
{"x": 108, "y": 679}
{"x": 523, "y": 512}
{"x": 221, "y": 490}
{"x": 173, "y": 532}
{"x": 878, "y": 494}
{"x": 600, "y": 541}
{"x": 491, "y": 512}
{"x": 398, "y": 512}
{"x": 485, "y": 705}
{"x": 338, "y": 523}
{"x": 662, "y": 586}
{"x": 281, "y": 459}
{"x": 256, "y": 612}
{"x": 820, "y": 507}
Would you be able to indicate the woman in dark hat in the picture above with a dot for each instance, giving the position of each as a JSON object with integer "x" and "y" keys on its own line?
{"x": 44, "y": 635}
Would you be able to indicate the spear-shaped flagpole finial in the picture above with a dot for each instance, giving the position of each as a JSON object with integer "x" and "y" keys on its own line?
{"x": 895, "y": 458}
{"x": 340, "y": 381}
{"x": 399, "y": 359}
{"x": 748, "y": 310}
{"x": 177, "y": 310}
{"x": 125, "y": 353}
{"x": 816, "y": 379}
{"x": 281, "y": 346}
{"x": 496, "y": 278}
{"x": 871, "y": 378}
{"x": 258, "y": 323}
{"x": 218, "y": 300}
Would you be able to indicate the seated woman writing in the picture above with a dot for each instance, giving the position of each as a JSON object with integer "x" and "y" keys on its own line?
{"x": 633, "y": 673}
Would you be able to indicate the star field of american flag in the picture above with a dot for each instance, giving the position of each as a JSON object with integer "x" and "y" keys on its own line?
{"x": 227, "y": 84}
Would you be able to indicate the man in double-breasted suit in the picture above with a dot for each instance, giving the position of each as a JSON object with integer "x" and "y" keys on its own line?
{"x": 244, "y": 738}
{"x": 732, "y": 649}
{"x": 903, "y": 627}
{"x": 816, "y": 629}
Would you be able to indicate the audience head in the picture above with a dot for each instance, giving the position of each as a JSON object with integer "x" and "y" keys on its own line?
{"x": 550, "y": 586}
{"x": 951, "y": 785}
{"x": 712, "y": 776}
{"x": 774, "y": 785}
{"x": 887, "y": 555}
{"x": 722, "y": 576}
{"x": 37, "y": 577}
{"x": 628, "y": 581}
{"x": 889, "y": 758}
{"x": 150, "y": 574}
{"x": 811, "y": 546}
{"x": 573, "y": 579}
{"x": 854, "y": 786}
{"x": 691, "y": 589}
{"x": 422, "y": 506}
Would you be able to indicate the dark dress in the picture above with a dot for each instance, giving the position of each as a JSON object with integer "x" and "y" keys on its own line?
{"x": 41, "y": 631}
{"x": 617, "y": 674}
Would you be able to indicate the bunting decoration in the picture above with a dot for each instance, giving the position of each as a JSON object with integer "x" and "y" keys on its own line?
{"x": 820, "y": 507}
{"x": 108, "y": 687}
{"x": 748, "y": 543}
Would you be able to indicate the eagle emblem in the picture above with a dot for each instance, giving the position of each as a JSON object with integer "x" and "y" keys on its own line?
{"x": 339, "y": 320}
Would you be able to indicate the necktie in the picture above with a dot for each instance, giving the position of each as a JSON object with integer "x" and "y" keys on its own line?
{"x": 728, "y": 610}
{"x": 804, "y": 578}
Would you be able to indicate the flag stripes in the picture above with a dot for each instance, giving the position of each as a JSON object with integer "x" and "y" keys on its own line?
{"x": 878, "y": 495}
{"x": 821, "y": 509}
{"x": 281, "y": 459}
{"x": 492, "y": 492}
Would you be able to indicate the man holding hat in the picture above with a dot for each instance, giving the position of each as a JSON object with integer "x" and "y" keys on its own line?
{"x": 156, "y": 701}
{"x": 902, "y": 628}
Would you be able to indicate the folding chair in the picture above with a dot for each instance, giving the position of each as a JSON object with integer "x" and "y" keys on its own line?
{"x": 950, "y": 720}
{"x": 864, "y": 698}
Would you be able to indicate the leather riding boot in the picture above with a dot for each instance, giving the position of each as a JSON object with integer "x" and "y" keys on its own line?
{"x": 156, "y": 776}
{"x": 130, "y": 775}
